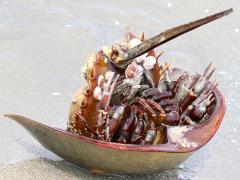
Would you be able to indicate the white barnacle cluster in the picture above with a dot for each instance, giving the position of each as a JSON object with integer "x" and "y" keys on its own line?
{"x": 146, "y": 61}
{"x": 139, "y": 66}
{"x": 149, "y": 62}
{"x": 101, "y": 84}
{"x": 133, "y": 73}
{"x": 176, "y": 134}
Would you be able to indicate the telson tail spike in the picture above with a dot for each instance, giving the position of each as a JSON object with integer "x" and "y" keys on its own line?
{"x": 170, "y": 34}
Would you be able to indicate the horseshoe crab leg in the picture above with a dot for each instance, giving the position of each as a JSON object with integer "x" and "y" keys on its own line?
{"x": 168, "y": 35}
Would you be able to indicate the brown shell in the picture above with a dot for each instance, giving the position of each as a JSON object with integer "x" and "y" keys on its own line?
{"x": 83, "y": 99}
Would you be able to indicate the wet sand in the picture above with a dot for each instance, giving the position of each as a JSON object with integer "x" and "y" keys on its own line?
{"x": 43, "y": 45}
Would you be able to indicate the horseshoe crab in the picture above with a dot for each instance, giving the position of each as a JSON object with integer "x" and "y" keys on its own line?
{"x": 136, "y": 116}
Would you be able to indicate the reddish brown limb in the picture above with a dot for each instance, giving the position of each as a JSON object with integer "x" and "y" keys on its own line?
{"x": 137, "y": 134}
{"x": 172, "y": 118}
{"x": 167, "y": 102}
{"x": 145, "y": 105}
{"x": 111, "y": 91}
{"x": 188, "y": 100}
{"x": 161, "y": 96}
{"x": 172, "y": 108}
{"x": 156, "y": 105}
{"x": 116, "y": 121}
{"x": 107, "y": 93}
{"x": 161, "y": 116}
{"x": 207, "y": 92}
{"x": 127, "y": 129}
{"x": 150, "y": 92}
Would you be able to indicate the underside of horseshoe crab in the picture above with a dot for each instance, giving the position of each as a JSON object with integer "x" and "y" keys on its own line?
{"x": 131, "y": 97}
{"x": 138, "y": 113}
